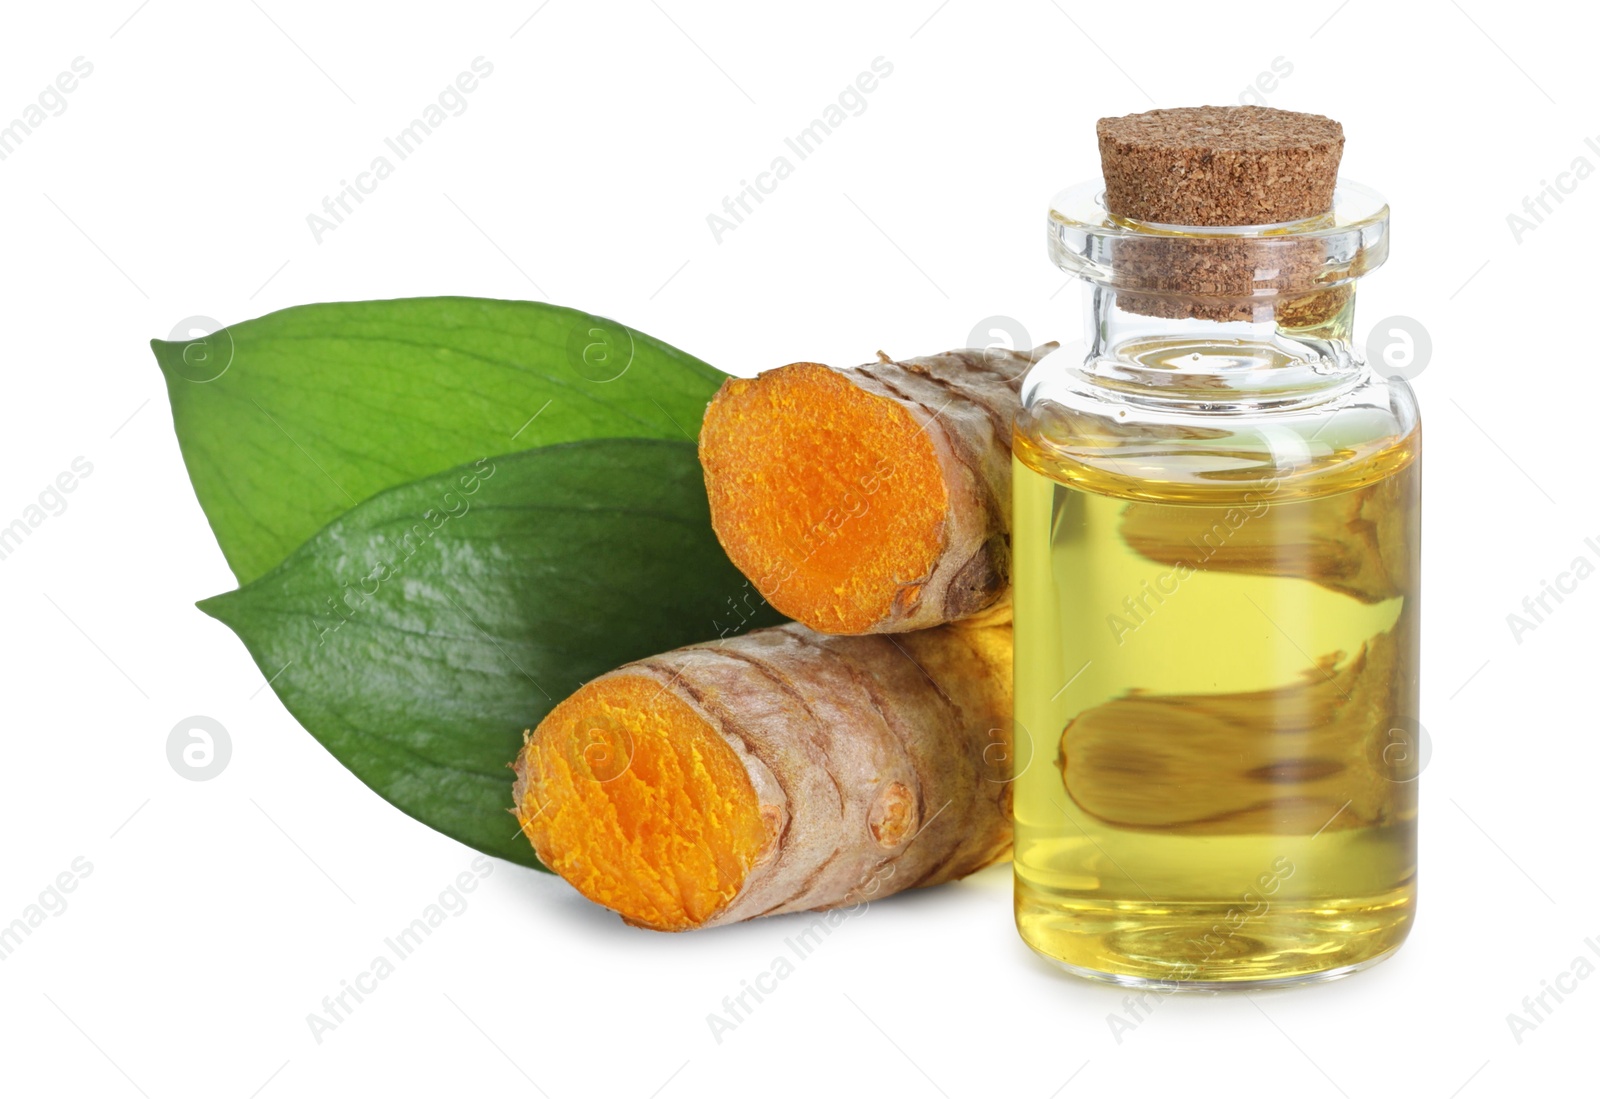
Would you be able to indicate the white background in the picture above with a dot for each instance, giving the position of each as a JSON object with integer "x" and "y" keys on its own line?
{"x": 219, "y": 914}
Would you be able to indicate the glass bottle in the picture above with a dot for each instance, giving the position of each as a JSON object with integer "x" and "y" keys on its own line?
{"x": 1216, "y": 552}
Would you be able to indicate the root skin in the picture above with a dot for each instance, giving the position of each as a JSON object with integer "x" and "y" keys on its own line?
{"x": 872, "y": 500}
{"x": 1200, "y": 764}
{"x": 813, "y": 772}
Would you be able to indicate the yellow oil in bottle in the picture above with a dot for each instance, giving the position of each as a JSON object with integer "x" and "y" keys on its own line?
{"x": 1215, "y": 701}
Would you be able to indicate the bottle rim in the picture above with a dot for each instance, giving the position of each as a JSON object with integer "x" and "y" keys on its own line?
{"x": 1219, "y": 263}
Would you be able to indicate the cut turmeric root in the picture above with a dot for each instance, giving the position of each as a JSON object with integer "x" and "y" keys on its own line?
{"x": 1358, "y": 549}
{"x": 873, "y": 500}
{"x": 1303, "y": 758}
{"x": 775, "y": 772}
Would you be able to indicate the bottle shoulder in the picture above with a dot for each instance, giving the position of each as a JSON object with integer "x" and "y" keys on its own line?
{"x": 1149, "y": 428}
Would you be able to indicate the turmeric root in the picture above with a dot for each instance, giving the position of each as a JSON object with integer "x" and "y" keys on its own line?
{"x": 773, "y": 772}
{"x": 873, "y": 500}
{"x": 1203, "y": 765}
{"x": 1358, "y": 548}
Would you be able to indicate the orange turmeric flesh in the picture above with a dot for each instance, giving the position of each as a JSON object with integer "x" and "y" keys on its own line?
{"x": 829, "y": 497}
{"x": 780, "y": 771}
{"x": 872, "y": 500}
{"x": 640, "y": 804}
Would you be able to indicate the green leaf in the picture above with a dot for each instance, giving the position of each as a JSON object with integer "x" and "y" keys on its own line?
{"x": 421, "y": 632}
{"x": 289, "y": 420}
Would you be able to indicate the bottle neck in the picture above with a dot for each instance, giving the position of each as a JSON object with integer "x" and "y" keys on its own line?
{"x": 1219, "y": 352}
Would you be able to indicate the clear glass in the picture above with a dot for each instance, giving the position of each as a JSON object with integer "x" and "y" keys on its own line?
{"x": 1216, "y": 539}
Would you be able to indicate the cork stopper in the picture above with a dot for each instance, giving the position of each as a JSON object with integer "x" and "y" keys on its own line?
{"x": 1209, "y": 166}
{"x": 1188, "y": 172}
